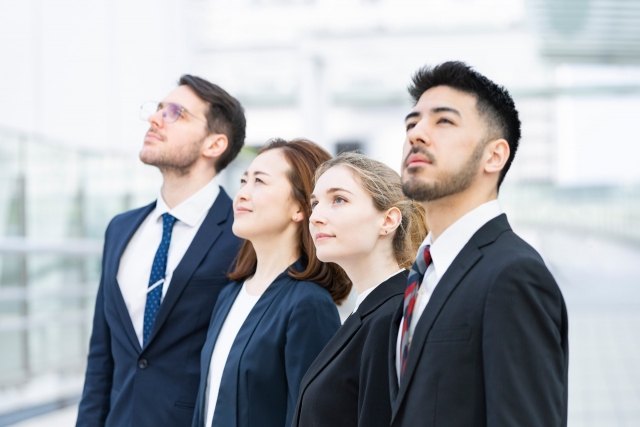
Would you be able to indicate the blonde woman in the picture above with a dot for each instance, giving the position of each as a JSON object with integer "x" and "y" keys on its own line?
{"x": 361, "y": 221}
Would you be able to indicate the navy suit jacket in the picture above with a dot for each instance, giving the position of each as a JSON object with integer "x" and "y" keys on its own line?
{"x": 156, "y": 385}
{"x": 284, "y": 332}
{"x": 490, "y": 348}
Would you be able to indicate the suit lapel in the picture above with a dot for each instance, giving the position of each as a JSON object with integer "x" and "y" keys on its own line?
{"x": 126, "y": 232}
{"x": 387, "y": 289}
{"x": 393, "y": 341}
{"x": 332, "y": 349}
{"x": 220, "y": 313}
{"x": 226, "y": 411}
{"x": 466, "y": 259}
{"x": 204, "y": 239}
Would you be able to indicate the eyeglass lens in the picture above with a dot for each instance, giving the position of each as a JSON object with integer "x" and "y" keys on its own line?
{"x": 170, "y": 111}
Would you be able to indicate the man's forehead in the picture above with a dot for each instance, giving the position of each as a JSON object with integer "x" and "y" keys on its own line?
{"x": 186, "y": 97}
{"x": 445, "y": 97}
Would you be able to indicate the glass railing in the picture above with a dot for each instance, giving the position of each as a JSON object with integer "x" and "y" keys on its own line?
{"x": 611, "y": 212}
{"x": 55, "y": 204}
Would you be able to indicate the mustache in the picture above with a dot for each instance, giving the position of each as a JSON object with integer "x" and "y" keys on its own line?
{"x": 421, "y": 150}
{"x": 155, "y": 131}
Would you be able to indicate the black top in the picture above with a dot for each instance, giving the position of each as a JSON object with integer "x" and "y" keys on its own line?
{"x": 490, "y": 348}
{"x": 348, "y": 384}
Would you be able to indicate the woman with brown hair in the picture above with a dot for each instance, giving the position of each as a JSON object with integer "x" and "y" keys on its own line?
{"x": 275, "y": 317}
{"x": 363, "y": 222}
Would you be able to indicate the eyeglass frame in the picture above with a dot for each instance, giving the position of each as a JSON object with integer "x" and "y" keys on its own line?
{"x": 162, "y": 105}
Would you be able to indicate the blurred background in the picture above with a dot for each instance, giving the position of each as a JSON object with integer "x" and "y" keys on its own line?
{"x": 73, "y": 74}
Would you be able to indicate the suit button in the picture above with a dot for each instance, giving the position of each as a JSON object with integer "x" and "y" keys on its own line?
{"x": 142, "y": 364}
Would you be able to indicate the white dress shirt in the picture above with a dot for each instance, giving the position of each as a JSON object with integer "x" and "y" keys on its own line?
{"x": 443, "y": 251}
{"x": 136, "y": 261}
{"x": 238, "y": 313}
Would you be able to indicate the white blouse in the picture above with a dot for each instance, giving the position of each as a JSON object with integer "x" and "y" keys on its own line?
{"x": 235, "y": 319}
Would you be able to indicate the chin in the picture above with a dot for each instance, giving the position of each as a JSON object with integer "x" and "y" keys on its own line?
{"x": 147, "y": 156}
{"x": 327, "y": 255}
{"x": 241, "y": 231}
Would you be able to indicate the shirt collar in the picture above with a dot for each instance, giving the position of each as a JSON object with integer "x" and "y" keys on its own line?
{"x": 447, "y": 247}
{"x": 192, "y": 210}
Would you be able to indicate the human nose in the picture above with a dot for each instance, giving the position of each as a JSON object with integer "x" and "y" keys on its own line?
{"x": 157, "y": 118}
{"x": 243, "y": 195}
{"x": 316, "y": 217}
{"x": 419, "y": 134}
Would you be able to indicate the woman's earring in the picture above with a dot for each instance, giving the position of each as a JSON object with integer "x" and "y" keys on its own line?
{"x": 386, "y": 231}
{"x": 295, "y": 217}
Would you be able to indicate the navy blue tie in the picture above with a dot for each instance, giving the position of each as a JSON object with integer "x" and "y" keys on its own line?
{"x": 158, "y": 272}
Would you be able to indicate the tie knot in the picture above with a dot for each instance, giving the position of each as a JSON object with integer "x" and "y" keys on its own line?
{"x": 426, "y": 254}
{"x": 422, "y": 262}
{"x": 168, "y": 220}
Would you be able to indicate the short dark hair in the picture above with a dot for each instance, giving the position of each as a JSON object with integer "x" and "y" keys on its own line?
{"x": 225, "y": 116}
{"x": 493, "y": 102}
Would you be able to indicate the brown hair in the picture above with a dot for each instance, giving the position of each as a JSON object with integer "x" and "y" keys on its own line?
{"x": 225, "y": 115}
{"x": 303, "y": 157}
{"x": 385, "y": 187}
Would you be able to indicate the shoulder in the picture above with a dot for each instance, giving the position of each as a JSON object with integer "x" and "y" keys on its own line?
{"x": 302, "y": 291}
{"x": 126, "y": 218}
{"x": 511, "y": 261}
{"x": 510, "y": 250}
{"x": 304, "y": 299}
{"x": 380, "y": 318}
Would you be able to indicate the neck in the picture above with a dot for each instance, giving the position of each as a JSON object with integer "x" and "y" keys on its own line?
{"x": 372, "y": 269}
{"x": 178, "y": 187}
{"x": 270, "y": 262}
{"x": 442, "y": 213}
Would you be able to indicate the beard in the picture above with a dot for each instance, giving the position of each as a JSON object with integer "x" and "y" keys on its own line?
{"x": 447, "y": 184}
{"x": 178, "y": 161}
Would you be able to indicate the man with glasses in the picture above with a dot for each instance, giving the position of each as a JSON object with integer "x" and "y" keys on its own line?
{"x": 164, "y": 265}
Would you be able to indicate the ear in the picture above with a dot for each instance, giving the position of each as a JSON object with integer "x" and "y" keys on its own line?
{"x": 214, "y": 145}
{"x": 392, "y": 220}
{"x": 298, "y": 215}
{"x": 497, "y": 153}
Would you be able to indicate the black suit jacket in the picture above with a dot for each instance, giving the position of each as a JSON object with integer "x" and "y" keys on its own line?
{"x": 130, "y": 386}
{"x": 491, "y": 347}
{"x": 347, "y": 385}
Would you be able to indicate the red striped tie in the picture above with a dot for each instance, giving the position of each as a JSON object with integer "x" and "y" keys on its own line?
{"x": 416, "y": 275}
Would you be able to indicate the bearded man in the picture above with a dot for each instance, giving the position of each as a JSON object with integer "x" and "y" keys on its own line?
{"x": 481, "y": 339}
{"x": 163, "y": 266}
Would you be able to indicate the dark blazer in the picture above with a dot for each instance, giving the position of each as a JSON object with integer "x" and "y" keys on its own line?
{"x": 130, "y": 386}
{"x": 491, "y": 347}
{"x": 284, "y": 332}
{"x": 347, "y": 385}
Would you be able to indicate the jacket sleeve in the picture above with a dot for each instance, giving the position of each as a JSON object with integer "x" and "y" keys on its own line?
{"x": 524, "y": 348}
{"x": 312, "y": 323}
{"x": 96, "y": 396}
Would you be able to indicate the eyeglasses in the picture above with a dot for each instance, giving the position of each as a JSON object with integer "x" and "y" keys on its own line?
{"x": 170, "y": 111}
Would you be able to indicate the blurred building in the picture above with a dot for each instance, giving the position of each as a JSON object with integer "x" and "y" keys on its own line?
{"x": 74, "y": 74}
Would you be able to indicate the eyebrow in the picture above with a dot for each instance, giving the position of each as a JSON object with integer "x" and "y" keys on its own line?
{"x": 336, "y": 189}
{"x": 445, "y": 110}
{"x": 434, "y": 110}
{"x": 255, "y": 173}
{"x": 412, "y": 115}
{"x": 332, "y": 190}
